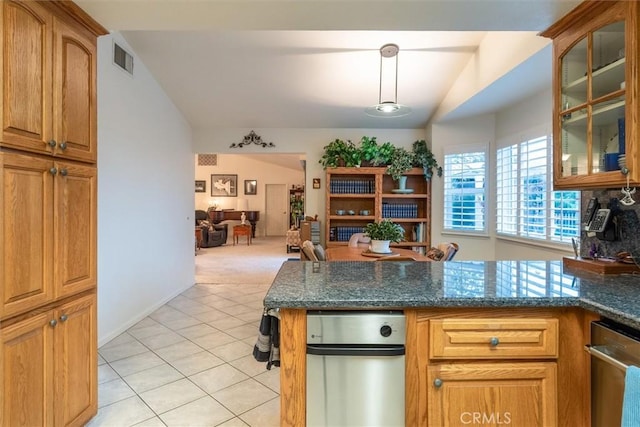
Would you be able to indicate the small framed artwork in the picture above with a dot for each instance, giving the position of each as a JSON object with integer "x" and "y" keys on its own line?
{"x": 250, "y": 187}
{"x": 316, "y": 183}
{"x": 224, "y": 185}
{"x": 201, "y": 186}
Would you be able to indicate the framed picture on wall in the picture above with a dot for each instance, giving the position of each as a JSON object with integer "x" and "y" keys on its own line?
{"x": 224, "y": 185}
{"x": 316, "y": 183}
{"x": 201, "y": 186}
{"x": 250, "y": 187}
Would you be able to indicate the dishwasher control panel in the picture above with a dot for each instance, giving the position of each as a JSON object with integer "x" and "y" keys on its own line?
{"x": 355, "y": 327}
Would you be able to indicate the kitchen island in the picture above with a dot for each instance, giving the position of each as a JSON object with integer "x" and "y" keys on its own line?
{"x": 540, "y": 312}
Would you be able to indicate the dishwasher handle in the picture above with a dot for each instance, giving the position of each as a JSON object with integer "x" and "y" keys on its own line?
{"x": 356, "y": 350}
{"x": 593, "y": 351}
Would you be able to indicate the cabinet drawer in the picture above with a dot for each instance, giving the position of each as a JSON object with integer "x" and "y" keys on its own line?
{"x": 493, "y": 338}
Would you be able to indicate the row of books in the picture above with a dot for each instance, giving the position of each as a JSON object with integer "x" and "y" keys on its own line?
{"x": 399, "y": 210}
{"x": 343, "y": 233}
{"x": 352, "y": 186}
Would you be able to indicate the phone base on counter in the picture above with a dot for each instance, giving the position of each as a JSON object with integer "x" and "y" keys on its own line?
{"x": 599, "y": 265}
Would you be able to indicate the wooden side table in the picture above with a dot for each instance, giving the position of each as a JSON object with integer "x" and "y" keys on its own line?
{"x": 242, "y": 230}
{"x": 198, "y": 238}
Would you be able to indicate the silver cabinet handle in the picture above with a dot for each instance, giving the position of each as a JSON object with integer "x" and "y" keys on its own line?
{"x": 437, "y": 383}
{"x": 63, "y": 172}
{"x": 52, "y": 143}
{"x": 494, "y": 341}
{"x": 63, "y": 145}
{"x": 53, "y": 171}
{"x": 53, "y": 323}
{"x": 63, "y": 318}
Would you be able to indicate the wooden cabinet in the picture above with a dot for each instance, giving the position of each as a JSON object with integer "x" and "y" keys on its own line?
{"x": 48, "y": 366}
{"x": 596, "y": 108}
{"x": 358, "y": 196}
{"x": 519, "y": 394}
{"x": 48, "y": 214}
{"x": 48, "y": 82}
{"x": 504, "y": 391}
{"x": 49, "y": 220}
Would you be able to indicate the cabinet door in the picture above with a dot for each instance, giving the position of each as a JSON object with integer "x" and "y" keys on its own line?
{"x": 26, "y": 76}
{"x": 26, "y": 360}
{"x": 26, "y": 193}
{"x": 74, "y": 92}
{"x": 76, "y": 347}
{"x": 519, "y": 394}
{"x": 75, "y": 225}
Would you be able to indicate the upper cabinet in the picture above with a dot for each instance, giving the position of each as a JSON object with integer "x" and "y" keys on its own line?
{"x": 49, "y": 81}
{"x": 595, "y": 86}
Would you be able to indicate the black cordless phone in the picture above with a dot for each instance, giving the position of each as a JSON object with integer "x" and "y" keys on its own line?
{"x": 592, "y": 208}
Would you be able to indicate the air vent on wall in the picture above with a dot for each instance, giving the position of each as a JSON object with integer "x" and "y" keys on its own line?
{"x": 122, "y": 59}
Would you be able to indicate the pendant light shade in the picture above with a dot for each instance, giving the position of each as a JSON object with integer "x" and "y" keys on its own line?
{"x": 388, "y": 85}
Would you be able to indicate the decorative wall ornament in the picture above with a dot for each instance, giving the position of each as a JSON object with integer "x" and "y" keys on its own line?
{"x": 252, "y": 138}
{"x": 207, "y": 159}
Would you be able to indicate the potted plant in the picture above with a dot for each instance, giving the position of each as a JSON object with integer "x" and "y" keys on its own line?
{"x": 373, "y": 153}
{"x": 382, "y": 234}
{"x": 423, "y": 158}
{"x": 340, "y": 153}
{"x": 401, "y": 161}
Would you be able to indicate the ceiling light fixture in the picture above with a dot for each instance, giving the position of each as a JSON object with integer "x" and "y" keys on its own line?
{"x": 388, "y": 57}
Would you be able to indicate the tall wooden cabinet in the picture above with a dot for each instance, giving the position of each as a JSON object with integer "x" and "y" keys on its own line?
{"x": 358, "y": 196}
{"x": 48, "y": 219}
{"x": 596, "y": 107}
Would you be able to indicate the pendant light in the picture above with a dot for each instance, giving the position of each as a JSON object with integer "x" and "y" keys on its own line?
{"x": 388, "y": 107}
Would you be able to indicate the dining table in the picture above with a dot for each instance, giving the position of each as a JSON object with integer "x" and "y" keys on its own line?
{"x": 350, "y": 253}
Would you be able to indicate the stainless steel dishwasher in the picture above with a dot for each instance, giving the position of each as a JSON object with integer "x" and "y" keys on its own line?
{"x": 613, "y": 348}
{"x": 355, "y": 368}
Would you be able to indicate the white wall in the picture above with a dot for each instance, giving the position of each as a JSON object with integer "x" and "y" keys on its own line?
{"x": 145, "y": 195}
{"x": 246, "y": 168}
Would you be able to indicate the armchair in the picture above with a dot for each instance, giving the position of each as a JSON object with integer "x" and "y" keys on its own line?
{"x": 212, "y": 234}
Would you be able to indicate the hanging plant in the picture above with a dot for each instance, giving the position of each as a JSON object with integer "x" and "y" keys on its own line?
{"x": 423, "y": 158}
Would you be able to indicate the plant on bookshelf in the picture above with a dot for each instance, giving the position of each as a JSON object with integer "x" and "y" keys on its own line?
{"x": 376, "y": 155}
{"x": 340, "y": 153}
{"x": 423, "y": 158}
{"x": 401, "y": 162}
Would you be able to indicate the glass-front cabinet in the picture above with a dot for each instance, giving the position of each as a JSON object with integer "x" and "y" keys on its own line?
{"x": 595, "y": 95}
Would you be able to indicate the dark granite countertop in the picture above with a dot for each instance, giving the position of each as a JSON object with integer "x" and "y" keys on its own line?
{"x": 365, "y": 285}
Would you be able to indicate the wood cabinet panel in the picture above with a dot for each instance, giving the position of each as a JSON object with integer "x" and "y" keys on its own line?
{"x": 26, "y": 363}
{"x": 49, "y": 82}
{"x": 26, "y": 244}
{"x": 26, "y": 75}
{"x": 520, "y": 394}
{"x": 76, "y": 361}
{"x": 75, "y": 228}
{"x": 74, "y": 92}
{"x": 493, "y": 338}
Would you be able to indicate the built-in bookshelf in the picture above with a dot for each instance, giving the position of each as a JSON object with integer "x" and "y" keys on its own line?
{"x": 358, "y": 196}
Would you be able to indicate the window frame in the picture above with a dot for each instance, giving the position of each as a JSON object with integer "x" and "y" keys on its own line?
{"x": 461, "y": 150}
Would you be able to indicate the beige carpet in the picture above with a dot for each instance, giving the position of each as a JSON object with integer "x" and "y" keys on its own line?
{"x": 257, "y": 263}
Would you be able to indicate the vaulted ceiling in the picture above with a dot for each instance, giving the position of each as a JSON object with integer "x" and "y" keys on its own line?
{"x": 315, "y": 63}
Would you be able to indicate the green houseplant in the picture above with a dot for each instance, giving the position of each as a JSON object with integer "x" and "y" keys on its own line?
{"x": 373, "y": 153}
{"x": 382, "y": 233}
{"x": 401, "y": 161}
{"x": 423, "y": 158}
{"x": 340, "y": 153}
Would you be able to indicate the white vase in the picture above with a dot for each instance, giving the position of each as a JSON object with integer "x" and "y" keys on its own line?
{"x": 402, "y": 183}
{"x": 380, "y": 246}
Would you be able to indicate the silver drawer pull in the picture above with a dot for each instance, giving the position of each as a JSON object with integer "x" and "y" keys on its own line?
{"x": 494, "y": 341}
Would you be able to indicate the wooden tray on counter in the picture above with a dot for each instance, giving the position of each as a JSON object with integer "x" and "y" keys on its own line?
{"x": 599, "y": 266}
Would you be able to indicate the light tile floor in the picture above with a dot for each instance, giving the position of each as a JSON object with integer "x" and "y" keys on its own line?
{"x": 190, "y": 363}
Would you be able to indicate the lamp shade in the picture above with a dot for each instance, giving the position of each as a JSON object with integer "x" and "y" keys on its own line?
{"x": 243, "y": 205}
